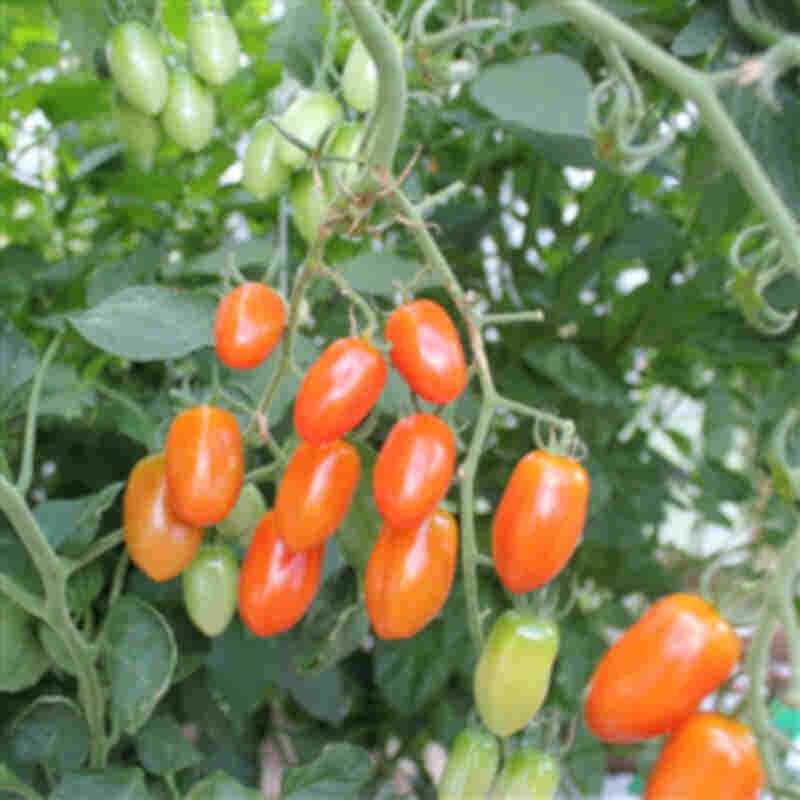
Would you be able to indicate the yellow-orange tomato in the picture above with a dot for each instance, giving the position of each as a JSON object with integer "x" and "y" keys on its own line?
{"x": 426, "y": 350}
{"x": 339, "y": 390}
{"x": 276, "y": 586}
{"x": 413, "y": 469}
{"x": 158, "y": 542}
{"x": 709, "y": 757}
{"x": 539, "y": 520}
{"x": 409, "y": 575}
{"x": 315, "y": 492}
{"x": 205, "y": 464}
{"x": 248, "y": 325}
{"x": 654, "y": 676}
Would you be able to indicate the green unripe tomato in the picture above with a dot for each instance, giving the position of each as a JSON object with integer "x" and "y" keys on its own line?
{"x": 263, "y": 173}
{"x": 471, "y": 766}
{"x": 307, "y": 118}
{"x": 140, "y": 132}
{"x": 360, "y": 77}
{"x": 529, "y": 773}
{"x": 513, "y": 672}
{"x": 189, "y": 113}
{"x": 215, "y": 47}
{"x": 244, "y": 517}
{"x": 137, "y": 67}
{"x": 309, "y": 205}
{"x": 345, "y": 143}
{"x": 211, "y": 589}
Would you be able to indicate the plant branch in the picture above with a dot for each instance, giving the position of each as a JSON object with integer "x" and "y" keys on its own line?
{"x": 101, "y": 546}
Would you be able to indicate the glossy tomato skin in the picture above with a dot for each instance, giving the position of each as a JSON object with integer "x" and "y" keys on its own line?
{"x": 137, "y": 66}
{"x": 413, "y": 469}
{"x": 409, "y": 575}
{"x": 158, "y": 542}
{"x": 248, "y": 325}
{"x": 309, "y": 116}
{"x": 205, "y": 464}
{"x": 655, "y": 675}
{"x": 315, "y": 492}
{"x": 538, "y": 523}
{"x": 709, "y": 756}
{"x": 426, "y": 350}
{"x": 513, "y": 673}
{"x": 215, "y": 47}
{"x": 263, "y": 174}
{"x": 528, "y": 773}
{"x": 276, "y": 586}
{"x": 189, "y": 113}
{"x": 210, "y": 585}
{"x": 140, "y": 132}
{"x": 310, "y": 201}
{"x": 471, "y": 766}
{"x": 339, "y": 390}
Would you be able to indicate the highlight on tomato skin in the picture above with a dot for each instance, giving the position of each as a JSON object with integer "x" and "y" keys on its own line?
{"x": 276, "y": 586}
{"x": 539, "y": 520}
{"x": 709, "y": 756}
{"x": 248, "y": 325}
{"x": 409, "y": 575}
{"x": 655, "y": 675}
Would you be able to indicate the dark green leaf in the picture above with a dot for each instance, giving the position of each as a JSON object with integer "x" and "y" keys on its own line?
{"x": 339, "y": 772}
{"x": 162, "y": 747}
{"x": 222, "y": 787}
{"x": 23, "y": 661}
{"x": 382, "y": 273}
{"x": 113, "y": 783}
{"x": 299, "y": 39}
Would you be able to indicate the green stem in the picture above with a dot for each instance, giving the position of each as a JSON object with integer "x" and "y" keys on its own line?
{"x": 259, "y": 474}
{"x": 118, "y": 580}
{"x": 762, "y": 32}
{"x": 29, "y": 446}
{"x": 354, "y": 297}
{"x": 701, "y": 89}
{"x": 101, "y": 546}
{"x": 511, "y": 318}
{"x": 454, "y": 34}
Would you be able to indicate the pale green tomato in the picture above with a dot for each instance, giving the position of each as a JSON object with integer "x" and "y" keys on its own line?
{"x": 360, "y": 77}
{"x": 345, "y": 143}
{"x": 189, "y": 113}
{"x": 309, "y": 205}
{"x": 215, "y": 47}
{"x": 530, "y": 774}
{"x": 137, "y": 67}
{"x": 307, "y": 118}
{"x": 244, "y": 517}
{"x": 211, "y": 589}
{"x": 140, "y": 132}
{"x": 263, "y": 173}
{"x": 471, "y": 766}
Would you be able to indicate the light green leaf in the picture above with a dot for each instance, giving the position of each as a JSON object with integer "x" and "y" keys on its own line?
{"x": 381, "y": 273}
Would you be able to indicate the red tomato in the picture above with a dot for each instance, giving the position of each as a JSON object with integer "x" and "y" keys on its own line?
{"x": 339, "y": 390}
{"x": 205, "y": 464}
{"x": 539, "y": 520}
{"x": 413, "y": 469}
{"x": 655, "y": 675}
{"x": 409, "y": 575}
{"x": 158, "y": 542}
{"x": 248, "y": 325}
{"x": 426, "y": 350}
{"x": 276, "y": 586}
{"x": 709, "y": 757}
{"x": 315, "y": 492}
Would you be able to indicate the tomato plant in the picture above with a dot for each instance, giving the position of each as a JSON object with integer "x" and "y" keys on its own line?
{"x": 414, "y": 469}
{"x": 189, "y": 113}
{"x": 205, "y": 464}
{"x": 263, "y": 173}
{"x": 409, "y": 575}
{"x": 137, "y": 67}
{"x": 655, "y": 675}
{"x": 159, "y": 543}
{"x": 527, "y": 773}
{"x": 513, "y": 672}
{"x": 140, "y": 132}
{"x": 276, "y": 585}
{"x": 339, "y": 390}
{"x": 308, "y": 118}
{"x": 426, "y": 350}
{"x": 360, "y": 76}
{"x": 539, "y": 520}
{"x": 215, "y": 47}
{"x": 248, "y": 325}
{"x": 210, "y": 589}
{"x": 243, "y": 518}
{"x": 315, "y": 492}
{"x": 471, "y": 766}
{"x": 309, "y": 204}
{"x": 710, "y": 755}
{"x": 346, "y": 143}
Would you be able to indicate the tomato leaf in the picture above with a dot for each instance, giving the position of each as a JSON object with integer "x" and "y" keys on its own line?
{"x": 222, "y": 787}
{"x": 299, "y": 39}
{"x": 23, "y": 661}
{"x": 339, "y": 772}
{"x": 162, "y": 747}
{"x": 113, "y": 783}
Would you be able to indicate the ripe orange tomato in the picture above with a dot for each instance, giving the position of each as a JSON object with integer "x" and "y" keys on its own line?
{"x": 248, "y": 325}
{"x": 426, "y": 350}
{"x": 205, "y": 464}
{"x": 409, "y": 575}
{"x": 315, "y": 492}
{"x": 276, "y": 586}
{"x": 413, "y": 469}
{"x": 158, "y": 542}
{"x": 339, "y": 390}
{"x": 655, "y": 675}
{"x": 539, "y": 520}
{"x": 709, "y": 756}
